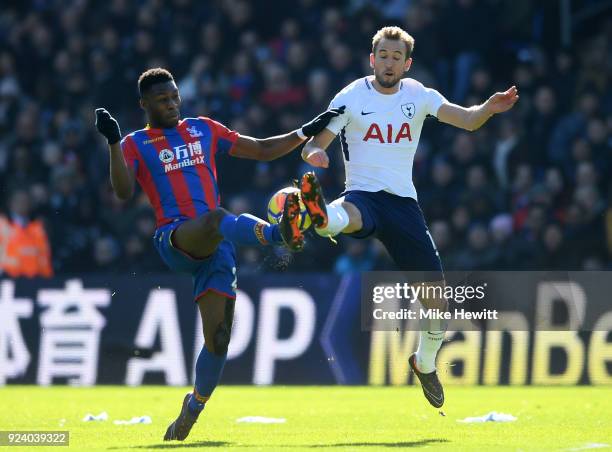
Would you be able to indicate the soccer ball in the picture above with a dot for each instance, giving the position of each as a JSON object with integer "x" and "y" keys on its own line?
{"x": 277, "y": 202}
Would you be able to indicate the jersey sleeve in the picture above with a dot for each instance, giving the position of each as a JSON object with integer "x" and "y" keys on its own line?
{"x": 433, "y": 100}
{"x": 130, "y": 153}
{"x": 339, "y": 122}
{"x": 223, "y": 137}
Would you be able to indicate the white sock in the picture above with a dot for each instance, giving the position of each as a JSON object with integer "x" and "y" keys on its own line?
{"x": 429, "y": 344}
{"x": 337, "y": 220}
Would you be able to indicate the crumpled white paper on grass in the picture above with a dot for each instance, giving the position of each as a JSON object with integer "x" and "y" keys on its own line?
{"x": 493, "y": 416}
{"x": 262, "y": 420}
{"x": 103, "y": 416}
{"x": 134, "y": 420}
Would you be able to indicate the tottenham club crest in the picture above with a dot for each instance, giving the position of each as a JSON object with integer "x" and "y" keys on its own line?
{"x": 194, "y": 132}
{"x": 408, "y": 110}
{"x": 166, "y": 155}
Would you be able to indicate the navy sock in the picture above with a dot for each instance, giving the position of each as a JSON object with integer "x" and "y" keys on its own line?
{"x": 208, "y": 371}
{"x": 247, "y": 229}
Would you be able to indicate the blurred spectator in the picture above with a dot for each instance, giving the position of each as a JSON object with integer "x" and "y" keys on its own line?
{"x": 438, "y": 197}
{"x": 24, "y": 247}
{"x": 541, "y": 122}
{"x": 511, "y": 251}
{"x": 106, "y": 254}
{"x": 357, "y": 258}
{"x": 479, "y": 195}
{"x": 554, "y": 255}
{"x": 479, "y": 255}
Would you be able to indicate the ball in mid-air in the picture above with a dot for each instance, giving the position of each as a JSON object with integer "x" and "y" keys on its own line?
{"x": 277, "y": 203}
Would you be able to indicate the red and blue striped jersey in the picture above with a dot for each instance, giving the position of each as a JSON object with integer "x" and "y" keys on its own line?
{"x": 176, "y": 167}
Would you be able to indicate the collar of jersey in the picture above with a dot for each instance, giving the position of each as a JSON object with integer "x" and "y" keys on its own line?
{"x": 380, "y": 95}
{"x": 171, "y": 130}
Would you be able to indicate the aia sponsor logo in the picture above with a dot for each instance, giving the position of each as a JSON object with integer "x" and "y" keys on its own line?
{"x": 375, "y": 133}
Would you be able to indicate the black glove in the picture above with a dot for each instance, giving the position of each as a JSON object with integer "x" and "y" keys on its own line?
{"x": 107, "y": 125}
{"x": 310, "y": 129}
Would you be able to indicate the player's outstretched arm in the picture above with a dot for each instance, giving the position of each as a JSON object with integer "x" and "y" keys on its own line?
{"x": 474, "y": 117}
{"x": 266, "y": 149}
{"x": 121, "y": 176}
{"x": 314, "y": 151}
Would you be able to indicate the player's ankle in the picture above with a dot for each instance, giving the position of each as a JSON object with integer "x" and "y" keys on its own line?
{"x": 337, "y": 220}
{"x": 429, "y": 344}
{"x": 425, "y": 364}
{"x": 194, "y": 406}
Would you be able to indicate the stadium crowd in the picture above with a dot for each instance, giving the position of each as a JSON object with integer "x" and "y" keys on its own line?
{"x": 529, "y": 190}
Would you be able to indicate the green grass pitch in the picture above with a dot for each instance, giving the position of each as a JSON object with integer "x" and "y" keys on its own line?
{"x": 318, "y": 418}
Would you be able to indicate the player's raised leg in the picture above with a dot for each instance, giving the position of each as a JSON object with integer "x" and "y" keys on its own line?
{"x": 199, "y": 237}
{"x": 329, "y": 219}
{"x": 217, "y": 312}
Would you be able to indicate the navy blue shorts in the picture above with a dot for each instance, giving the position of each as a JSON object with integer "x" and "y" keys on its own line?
{"x": 399, "y": 224}
{"x": 215, "y": 273}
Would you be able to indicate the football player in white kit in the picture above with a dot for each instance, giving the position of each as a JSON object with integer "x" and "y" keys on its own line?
{"x": 379, "y": 134}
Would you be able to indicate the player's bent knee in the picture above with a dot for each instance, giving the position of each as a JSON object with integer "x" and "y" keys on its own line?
{"x": 215, "y": 216}
{"x": 210, "y": 221}
{"x": 355, "y": 221}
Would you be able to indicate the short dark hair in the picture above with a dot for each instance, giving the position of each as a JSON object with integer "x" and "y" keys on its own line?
{"x": 152, "y": 76}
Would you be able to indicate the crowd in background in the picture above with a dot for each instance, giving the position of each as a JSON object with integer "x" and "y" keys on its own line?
{"x": 529, "y": 190}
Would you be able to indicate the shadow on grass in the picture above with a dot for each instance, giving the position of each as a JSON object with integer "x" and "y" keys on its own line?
{"x": 423, "y": 442}
{"x": 175, "y": 445}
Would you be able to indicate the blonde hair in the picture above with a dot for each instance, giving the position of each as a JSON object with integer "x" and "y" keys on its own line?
{"x": 394, "y": 33}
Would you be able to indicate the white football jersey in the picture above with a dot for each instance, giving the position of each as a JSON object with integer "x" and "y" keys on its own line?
{"x": 379, "y": 133}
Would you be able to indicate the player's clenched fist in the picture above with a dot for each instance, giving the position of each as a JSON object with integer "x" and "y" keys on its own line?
{"x": 315, "y": 126}
{"x": 316, "y": 157}
{"x": 107, "y": 125}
